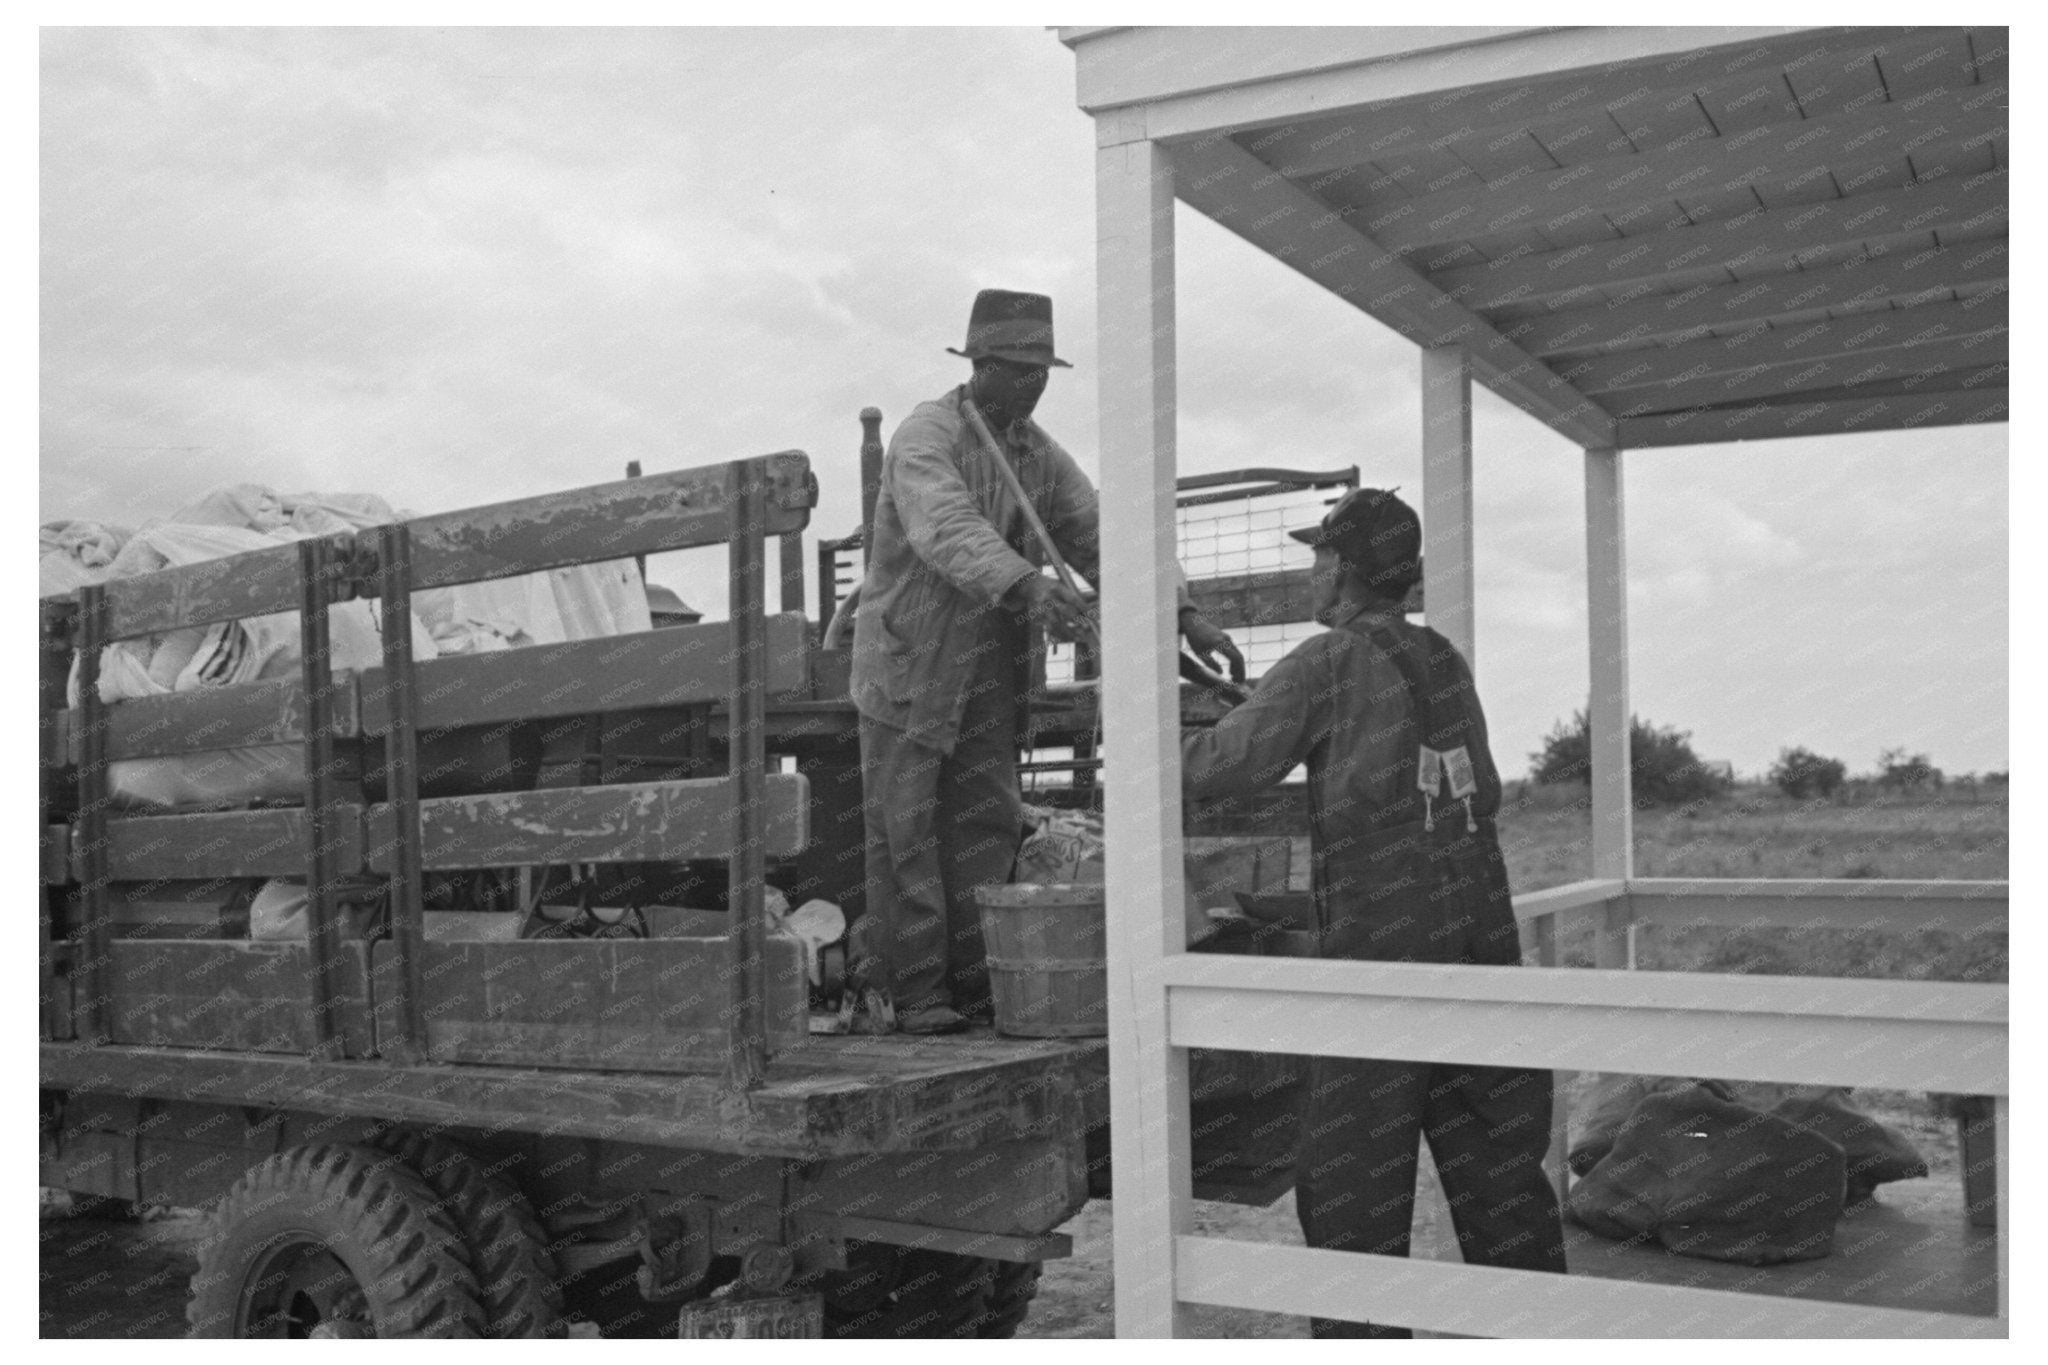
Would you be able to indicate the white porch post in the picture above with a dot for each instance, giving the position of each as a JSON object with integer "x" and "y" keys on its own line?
{"x": 1607, "y": 631}
{"x": 1141, "y": 702}
{"x": 1447, "y": 496}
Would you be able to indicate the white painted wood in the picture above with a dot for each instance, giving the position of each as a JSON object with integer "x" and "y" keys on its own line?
{"x": 1904, "y": 1035}
{"x": 1239, "y": 191}
{"x": 1484, "y": 1301}
{"x": 1141, "y": 703}
{"x": 1607, "y": 641}
{"x": 1137, "y": 65}
{"x": 1447, "y": 543}
{"x": 1171, "y": 112}
{"x": 1961, "y": 907}
{"x": 1572, "y": 896}
{"x": 2001, "y": 1133}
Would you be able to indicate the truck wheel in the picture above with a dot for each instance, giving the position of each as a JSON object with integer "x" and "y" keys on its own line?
{"x": 516, "y": 1278}
{"x": 333, "y": 1241}
{"x": 888, "y": 1291}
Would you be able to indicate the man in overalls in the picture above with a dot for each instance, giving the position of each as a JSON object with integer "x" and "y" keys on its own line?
{"x": 1407, "y": 868}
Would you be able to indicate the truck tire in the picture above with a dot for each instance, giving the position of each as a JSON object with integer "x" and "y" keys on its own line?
{"x": 333, "y": 1241}
{"x": 888, "y": 1291}
{"x": 515, "y": 1272}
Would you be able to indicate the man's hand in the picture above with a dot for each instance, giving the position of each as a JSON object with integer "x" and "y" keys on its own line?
{"x": 1052, "y": 604}
{"x": 1207, "y": 641}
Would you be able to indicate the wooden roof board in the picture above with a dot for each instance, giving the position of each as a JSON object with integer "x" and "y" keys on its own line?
{"x": 1732, "y": 195}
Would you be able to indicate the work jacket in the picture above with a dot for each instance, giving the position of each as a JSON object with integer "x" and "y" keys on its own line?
{"x": 947, "y": 542}
{"x": 1397, "y": 877}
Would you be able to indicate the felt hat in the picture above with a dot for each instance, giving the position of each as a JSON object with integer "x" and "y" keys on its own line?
{"x": 1011, "y": 326}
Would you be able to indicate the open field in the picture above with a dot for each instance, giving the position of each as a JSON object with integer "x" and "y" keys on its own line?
{"x": 119, "y": 1280}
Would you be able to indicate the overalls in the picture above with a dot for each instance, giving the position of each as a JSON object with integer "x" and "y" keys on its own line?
{"x": 1392, "y": 888}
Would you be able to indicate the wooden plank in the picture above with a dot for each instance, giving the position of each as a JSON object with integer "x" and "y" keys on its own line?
{"x": 1458, "y": 80}
{"x": 267, "y": 711}
{"x": 1597, "y": 891}
{"x": 1607, "y": 664}
{"x": 1982, "y": 317}
{"x": 1269, "y": 597}
{"x": 1903, "y": 1035}
{"x": 1447, "y": 495}
{"x": 1488, "y": 1301}
{"x": 1962, "y": 364}
{"x": 1236, "y": 189}
{"x": 638, "y": 822}
{"x": 243, "y": 843}
{"x": 595, "y": 1004}
{"x": 236, "y": 996}
{"x": 676, "y": 666}
{"x": 1898, "y": 277}
{"x": 746, "y": 1022}
{"x": 1855, "y": 905}
{"x": 995, "y": 1246}
{"x": 1134, "y": 193}
{"x": 1766, "y": 421}
{"x": 673, "y": 511}
{"x": 830, "y": 1097}
{"x": 1657, "y": 185}
{"x": 1760, "y": 238}
{"x": 256, "y": 583}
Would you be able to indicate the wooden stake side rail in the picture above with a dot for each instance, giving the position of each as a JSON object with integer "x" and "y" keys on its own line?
{"x": 828, "y": 1097}
{"x": 1852, "y": 904}
{"x": 626, "y": 822}
{"x": 679, "y": 510}
{"x": 1485, "y": 1301}
{"x": 676, "y": 666}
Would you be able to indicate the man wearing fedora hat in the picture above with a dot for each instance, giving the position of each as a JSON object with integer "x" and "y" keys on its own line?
{"x": 942, "y": 647}
{"x": 1406, "y": 867}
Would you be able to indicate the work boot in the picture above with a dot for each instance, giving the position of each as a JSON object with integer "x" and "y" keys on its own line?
{"x": 932, "y": 1019}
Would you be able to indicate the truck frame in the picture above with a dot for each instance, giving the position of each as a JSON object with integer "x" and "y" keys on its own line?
{"x": 412, "y": 1133}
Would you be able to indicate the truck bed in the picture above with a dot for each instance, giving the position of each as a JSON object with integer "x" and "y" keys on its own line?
{"x": 827, "y": 1097}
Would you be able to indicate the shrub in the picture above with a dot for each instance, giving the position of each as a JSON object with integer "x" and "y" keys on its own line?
{"x": 1663, "y": 769}
{"x": 1800, "y": 773}
{"x": 1899, "y": 772}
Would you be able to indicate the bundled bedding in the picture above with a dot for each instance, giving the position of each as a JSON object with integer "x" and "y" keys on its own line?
{"x": 575, "y": 603}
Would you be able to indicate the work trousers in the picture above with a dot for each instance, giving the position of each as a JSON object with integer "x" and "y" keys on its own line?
{"x": 1488, "y": 1129}
{"x": 938, "y": 826}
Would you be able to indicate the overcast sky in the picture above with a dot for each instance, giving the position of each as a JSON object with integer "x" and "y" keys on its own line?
{"x": 458, "y": 267}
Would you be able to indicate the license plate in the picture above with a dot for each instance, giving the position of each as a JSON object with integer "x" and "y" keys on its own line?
{"x": 791, "y": 1317}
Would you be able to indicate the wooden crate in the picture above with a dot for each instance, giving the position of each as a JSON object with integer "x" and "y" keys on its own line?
{"x": 245, "y": 996}
{"x": 593, "y": 1004}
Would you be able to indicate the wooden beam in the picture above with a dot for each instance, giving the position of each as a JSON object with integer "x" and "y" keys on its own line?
{"x": 1486, "y": 1301}
{"x": 241, "y": 843}
{"x": 1982, "y": 317}
{"x": 1235, "y": 188}
{"x": 266, "y": 711}
{"x": 1556, "y": 102}
{"x": 1865, "y": 285}
{"x": 1858, "y": 906}
{"x": 637, "y": 822}
{"x": 674, "y": 666}
{"x": 1965, "y": 207}
{"x": 1482, "y": 71}
{"x": 1828, "y": 417}
{"x": 1904, "y": 1035}
{"x": 830, "y": 1097}
{"x": 1607, "y": 665}
{"x": 1447, "y": 495}
{"x": 1267, "y": 598}
{"x": 1906, "y": 369}
{"x": 673, "y": 511}
{"x": 1775, "y": 163}
{"x": 1134, "y": 193}
{"x": 258, "y": 583}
